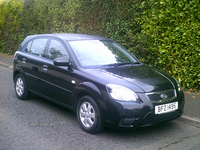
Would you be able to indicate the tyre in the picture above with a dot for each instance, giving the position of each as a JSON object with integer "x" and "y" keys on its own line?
{"x": 88, "y": 115}
{"x": 21, "y": 87}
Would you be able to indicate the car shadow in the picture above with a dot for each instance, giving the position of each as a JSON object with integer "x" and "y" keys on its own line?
{"x": 67, "y": 114}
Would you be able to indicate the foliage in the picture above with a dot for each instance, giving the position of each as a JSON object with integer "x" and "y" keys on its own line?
{"x": 10, "y": 11}
{"x": 161, "y": 33}
{"x": 50, "y": 16}
{"x": 113, "y": 19}
{"x": 174, "y": 29}
{"x": 19, "y": 19}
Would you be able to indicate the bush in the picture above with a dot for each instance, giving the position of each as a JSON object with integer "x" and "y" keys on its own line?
{"x": 161, "y": 33}
{"x": 174, "y": 29}
{"x": 50, "y": 16}
{"x": 113, "y": 19}
{"x": 10, "y": 25}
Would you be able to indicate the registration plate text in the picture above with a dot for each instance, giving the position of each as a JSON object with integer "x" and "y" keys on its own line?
{"x": 165, "y": 108}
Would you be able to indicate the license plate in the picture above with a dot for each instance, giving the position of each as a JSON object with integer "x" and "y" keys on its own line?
{"x": 160, "y": 109}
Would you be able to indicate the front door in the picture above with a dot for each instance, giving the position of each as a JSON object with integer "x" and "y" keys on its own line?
{"x": 55, "y": 80}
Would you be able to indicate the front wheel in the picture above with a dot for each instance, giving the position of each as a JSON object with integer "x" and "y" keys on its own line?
{"x": 21, "y": 88}
{"x": 88, "y": 115}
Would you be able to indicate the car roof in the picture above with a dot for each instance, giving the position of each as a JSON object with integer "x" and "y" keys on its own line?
{"x": 66, "y": 36}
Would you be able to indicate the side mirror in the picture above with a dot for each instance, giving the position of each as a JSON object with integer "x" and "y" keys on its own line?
{"x": 61, "y": 61}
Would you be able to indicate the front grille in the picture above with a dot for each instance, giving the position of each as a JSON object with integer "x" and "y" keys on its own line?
{"x": 152, "y": 118}
{"x": 157, "y": 96}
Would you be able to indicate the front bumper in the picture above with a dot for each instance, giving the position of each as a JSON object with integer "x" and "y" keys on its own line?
{"x": 134, "y": 114}
{"x": 148, "y": 120}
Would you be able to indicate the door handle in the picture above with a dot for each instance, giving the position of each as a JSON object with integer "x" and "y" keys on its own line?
{"x": 45, "y": 67}
{"x": 23, "y": 60}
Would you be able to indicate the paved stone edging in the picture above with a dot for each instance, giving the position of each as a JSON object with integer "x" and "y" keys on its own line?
{"x": 190, "y": 120}
{"x": 6, "y": 65}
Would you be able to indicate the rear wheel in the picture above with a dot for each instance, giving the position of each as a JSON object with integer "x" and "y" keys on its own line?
{"x": 21, "y": 87}
{"x": 88, "y": 115}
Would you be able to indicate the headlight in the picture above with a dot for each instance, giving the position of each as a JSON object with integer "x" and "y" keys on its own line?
{"x": 122, "y": 93}
{"x": 178, "y": 84}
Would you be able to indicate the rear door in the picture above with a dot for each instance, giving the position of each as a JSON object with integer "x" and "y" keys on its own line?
{"x": 31, "y": 62}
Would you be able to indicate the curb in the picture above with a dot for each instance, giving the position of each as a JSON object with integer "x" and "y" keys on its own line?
{"x": 190, "y": 120}
{"x": 6, "y": 65}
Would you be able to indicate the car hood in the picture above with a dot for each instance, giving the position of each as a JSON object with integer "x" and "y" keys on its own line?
{"x": 146, "y": 78}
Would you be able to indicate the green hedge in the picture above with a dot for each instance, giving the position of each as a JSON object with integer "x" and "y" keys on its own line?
{"x": 50, "y": 16}
{"x": 19, "y": 18}
{"x": 10, "y": 25}
{"x": 113, "y": 19}
{"x": 161, "y": 33}
{"x": 174, "y": 29}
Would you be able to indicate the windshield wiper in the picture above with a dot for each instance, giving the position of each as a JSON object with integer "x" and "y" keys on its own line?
{"x": 127, "y": 63}
{"x": 110, "y": 65}
{"x": 120, "y": 64}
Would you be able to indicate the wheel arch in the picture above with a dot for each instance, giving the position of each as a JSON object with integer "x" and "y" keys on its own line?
{"x": 17, "y": 71}
{"x": 88, "y": 88}
{"x": 15, "y": 74}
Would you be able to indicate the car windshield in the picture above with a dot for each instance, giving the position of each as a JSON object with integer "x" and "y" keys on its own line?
{"x": 100, "y": 53}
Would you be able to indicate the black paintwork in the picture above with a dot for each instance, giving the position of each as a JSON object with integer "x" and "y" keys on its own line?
{"x": 65, "y": 81}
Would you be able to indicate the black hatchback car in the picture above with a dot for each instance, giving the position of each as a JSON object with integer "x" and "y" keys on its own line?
{"x": 98, "y": 79}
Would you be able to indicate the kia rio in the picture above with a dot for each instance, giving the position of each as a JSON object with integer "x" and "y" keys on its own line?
{"x": 98, "y": 79}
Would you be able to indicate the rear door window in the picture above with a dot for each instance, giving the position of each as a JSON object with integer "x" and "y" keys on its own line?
{"x": 37, "y": 47}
